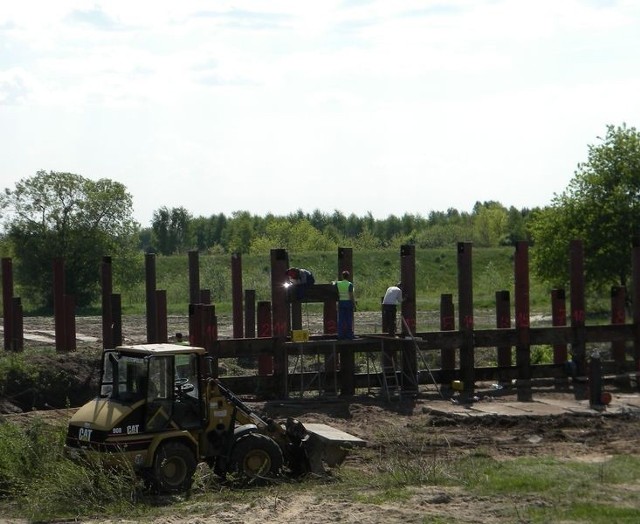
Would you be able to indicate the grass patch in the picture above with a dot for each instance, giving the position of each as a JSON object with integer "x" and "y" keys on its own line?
{"x": 38, "y": 483}
{"x": 374, "y": 271}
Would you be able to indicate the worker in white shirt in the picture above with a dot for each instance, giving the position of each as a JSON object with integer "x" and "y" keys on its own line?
{"x": 392, "y": 298}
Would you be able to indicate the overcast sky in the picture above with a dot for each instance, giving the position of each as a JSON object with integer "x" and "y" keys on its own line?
{"x": 381, "y": 106}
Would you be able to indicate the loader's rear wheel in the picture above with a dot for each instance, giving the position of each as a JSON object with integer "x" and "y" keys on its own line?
{"x": 173, "y": 467}
{"x": 256, "y": 456}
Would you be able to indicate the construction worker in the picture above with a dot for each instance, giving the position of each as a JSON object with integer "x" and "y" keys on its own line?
{"x": 346, "y": 307}
{"x": 392, "y": 298}
{"x": 301, "y": 278}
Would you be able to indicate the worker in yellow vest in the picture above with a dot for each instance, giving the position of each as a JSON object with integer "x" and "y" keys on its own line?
{"x": 346, "y": 306}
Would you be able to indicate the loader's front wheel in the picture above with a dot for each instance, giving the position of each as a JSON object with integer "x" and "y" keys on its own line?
{"x": 173, "y": 468}
{"x": 256, "y": 456}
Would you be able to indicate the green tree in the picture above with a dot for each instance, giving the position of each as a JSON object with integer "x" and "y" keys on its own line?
{"x": 65, "y": 215}
{"x": 239, "y": 232}
{"x": 601, "y": 207}
{"x": 490, "y": 224}
{"x": 172, "y": 230}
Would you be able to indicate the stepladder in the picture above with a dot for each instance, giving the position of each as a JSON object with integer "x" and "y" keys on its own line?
{"x": 389, "y": 373}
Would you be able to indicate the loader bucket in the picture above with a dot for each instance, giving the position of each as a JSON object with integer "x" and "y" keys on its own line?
{"x": 328, "y": 446}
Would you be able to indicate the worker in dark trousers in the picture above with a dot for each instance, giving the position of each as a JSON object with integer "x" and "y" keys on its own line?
{"x": 346, "y": 307}
{"x": 392, "y": 298}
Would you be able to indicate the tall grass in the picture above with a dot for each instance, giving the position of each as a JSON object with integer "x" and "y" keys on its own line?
{"x": 37, "y": 482}
{"x": 374, "y": 271}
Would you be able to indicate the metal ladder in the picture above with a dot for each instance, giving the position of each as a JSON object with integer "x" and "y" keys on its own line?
{"x": 389, "y": 372}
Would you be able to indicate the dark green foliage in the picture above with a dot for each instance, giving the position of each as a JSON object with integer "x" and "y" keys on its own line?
{"x": 601, "y": 207}
{"x": 489, "y": 225}
{"x": 64, "y": 215}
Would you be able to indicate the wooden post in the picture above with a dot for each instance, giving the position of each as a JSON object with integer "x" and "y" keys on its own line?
{"x": 465, "y": 312}
{"x": 408, "y": 312}
{"x": 279, "y": 305}
{"x": 578, "y": 307}
{"x": 635, "y": 263}
{"x": 195, "y": 322}
{"x": 347, "y": 370}
{"x": 204, "y": 297}
{"x": 523, "y": 348}
{"x": 281, "y": 368}
{"x": 296, "y": 315}
{"x": 330, "y": 317}
{"x": 210, "y": 334}
{"x": 503, "y": 320}
{"x": 236, "y": 294}
{"x": 250, "y": 313}
{"x": 595, "y": 380}
{"x": 618, "y": 316}
{"x": 447, "y": 323}
{"x": 559, "y": 318}
{"x": 265, "y": 362}
{"x": 7, "y": 297}
{"x": 150, "y": 289}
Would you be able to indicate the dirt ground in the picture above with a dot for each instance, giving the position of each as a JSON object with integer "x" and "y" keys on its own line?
{"x": 414, "y": 427}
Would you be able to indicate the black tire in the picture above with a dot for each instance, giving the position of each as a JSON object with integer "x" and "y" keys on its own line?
{"x": 256, "y": 456}
{"x": 173, "y": 467}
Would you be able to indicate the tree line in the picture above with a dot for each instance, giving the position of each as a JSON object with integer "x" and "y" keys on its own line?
{"x": 175, "y": 230}
{"x": 57, "y": 214}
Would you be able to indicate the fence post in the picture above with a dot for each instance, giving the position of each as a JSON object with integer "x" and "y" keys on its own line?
{"x": 578, "y": 347}
{"x": 236, "y": 294}
{"x": 465, "y": 312}
{"x": 7, "y": 297}
{"x": 503, "y": 320}
{"x": 618, "y": 316}
{"x": 279, "y": 304}
{"x": 559, "y": 318}
{"x": 210, "y": 334}
{"x": 250, "y": 313}
{"x": 523, "y": 349}
{"x": 195, "y": 325}
{"x": 408, "y": 307}
{"x": 447, "y": 323}
{"x": 636, "y": 305}
{"x": 150, "y": 290}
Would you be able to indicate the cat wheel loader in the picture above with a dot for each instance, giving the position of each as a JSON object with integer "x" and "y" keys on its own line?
{"x": 160, "y": 409}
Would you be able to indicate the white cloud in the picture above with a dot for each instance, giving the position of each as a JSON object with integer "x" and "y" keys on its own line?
{"x": 220, "y": 106}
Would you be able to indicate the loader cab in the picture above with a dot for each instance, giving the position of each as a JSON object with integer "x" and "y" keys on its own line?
{"x": 161, "y": 383}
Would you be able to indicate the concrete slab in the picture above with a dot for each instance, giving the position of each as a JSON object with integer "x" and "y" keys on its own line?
{"x": 330, "y": 434}
{"x": 542, "y": 406}
{"x": 497, "y": 408}
{"x": 49, "y": 337}
{"x": 627, "y": 400}
{"x": 537, "y": 408}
